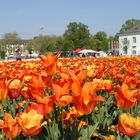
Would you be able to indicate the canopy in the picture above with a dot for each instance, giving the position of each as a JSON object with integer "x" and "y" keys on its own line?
{"x": 77, "y": 50}
{"x": 102, "y": 53}
{"x": 87, "y": 51}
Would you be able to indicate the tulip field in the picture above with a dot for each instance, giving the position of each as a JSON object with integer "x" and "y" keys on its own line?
{"x": 57, "y": 98}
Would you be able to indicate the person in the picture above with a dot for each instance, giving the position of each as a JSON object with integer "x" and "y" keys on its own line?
{"x": 83, "y": 55}
{"x": 18, "y": 55}
{"x": 110, "y": 54}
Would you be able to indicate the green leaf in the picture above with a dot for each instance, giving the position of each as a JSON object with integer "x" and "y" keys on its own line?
{"x": 137, "y": 137}
{"x": 84, "y": 133}
{"x": 53, "y": 131}
{"x": 119, "y": 137}
{"x": 74, "y": 132}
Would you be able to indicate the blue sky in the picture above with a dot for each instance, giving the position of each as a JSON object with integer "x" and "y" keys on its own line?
{"x": 29, "y": 18}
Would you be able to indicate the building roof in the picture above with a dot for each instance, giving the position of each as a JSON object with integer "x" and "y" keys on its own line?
{"x": 132, "y": 31}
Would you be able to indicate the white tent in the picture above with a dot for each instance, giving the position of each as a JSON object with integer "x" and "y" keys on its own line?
{"x": 102, "y": 53}
{"x": 87, "y": 51}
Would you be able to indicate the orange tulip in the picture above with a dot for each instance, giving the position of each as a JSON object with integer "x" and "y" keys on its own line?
{"x": 44, "y": 105}
{"x": 3, "y": 88}
{"x": 47, "y": 101}
{"x": 110, "y": 137}
{"x": 103, "y": 84}
{"x": 49, "y": 62}
{"x": 70, "y": 116}
{"x": 77, "y": 83}
{"x": 10, "y": 126}
{"x": 33, "y": 85}
{"x": 138, "y": 96}
{"x": 36, "y": 86}
{"x": 62, "y": 96}
{"x": 76, "y": 88}
{"x": 25, "y": 92}
{"x": 126, "y": 98}
{"x": 47, "y": 79}
{"x": 38, "y": 107}
{"x": 81, "y": 124}
{"x": 14, "y": 88}
{"x": 120, "y": 78}
{"x": 30, "y": 65}
{"x": 128, "y": 125}
{"x": 30, "y": 122}
{"x": 131, "y": 81}
{"x": 86, "y": 101}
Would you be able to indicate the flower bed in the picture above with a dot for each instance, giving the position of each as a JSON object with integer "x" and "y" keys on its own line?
{"x": 70, "y": 98}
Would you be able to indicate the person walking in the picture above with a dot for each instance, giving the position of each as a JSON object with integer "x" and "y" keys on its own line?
{"x": 18, "y": 55}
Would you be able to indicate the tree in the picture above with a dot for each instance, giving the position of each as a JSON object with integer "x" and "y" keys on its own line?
{"x": 2, "y": 49}
{"x": 77, "y": 35}
{"x": 129, "y": 24}
{"x": 42, "y": 44}
{"x": 8, "y": 41}
{"x": 2, "y": 43}
{"x": 100, "y": 41}
{"x": 11, "y": 38}
{"x": 60, "y": 44}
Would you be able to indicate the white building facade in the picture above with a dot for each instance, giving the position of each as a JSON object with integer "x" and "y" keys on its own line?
{"x": 10, "y": 49}
{"x": 129, "y": 42}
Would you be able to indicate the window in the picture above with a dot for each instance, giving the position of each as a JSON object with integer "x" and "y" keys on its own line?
{"x": 134, "y": 52}
{"x": 125, "y": 49}
{"x": 125, "y": 39}
{"x": 134, "y": 39}
{"x": 133, "y": 47}
{"x": 125, "y": 42}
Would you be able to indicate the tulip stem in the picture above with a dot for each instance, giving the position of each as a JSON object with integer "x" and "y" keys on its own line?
{"x": 88, "y": 136}
{"x": 1, "y": 109}
{"x": 63, "y": 125}
{"x": 14, "y": 108}
{"x": 2, "y": 135}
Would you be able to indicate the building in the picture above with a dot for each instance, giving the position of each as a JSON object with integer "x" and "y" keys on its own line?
{"x": 113, "y": 47}
{"x": 10, "y": 49}
{"x": 129, "y": 41}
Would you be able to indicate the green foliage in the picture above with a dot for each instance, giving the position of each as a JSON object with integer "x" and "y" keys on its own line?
{"x": 43, "y": 44}
{"x": 11, "y": 38}
{"x": 2, "y": 44}
{"x": 8, "y": 39}
{"x": 77, "y": 35}
{"x": 86, "y": 132}
{"x": 2, "y": 54}
{"x": 98, "y": 122}
{"x": 53, "y": 132}
{"x": 60, "y": 41}
{"x": 129, "y": 24}
{"x": 100, "y": 41}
